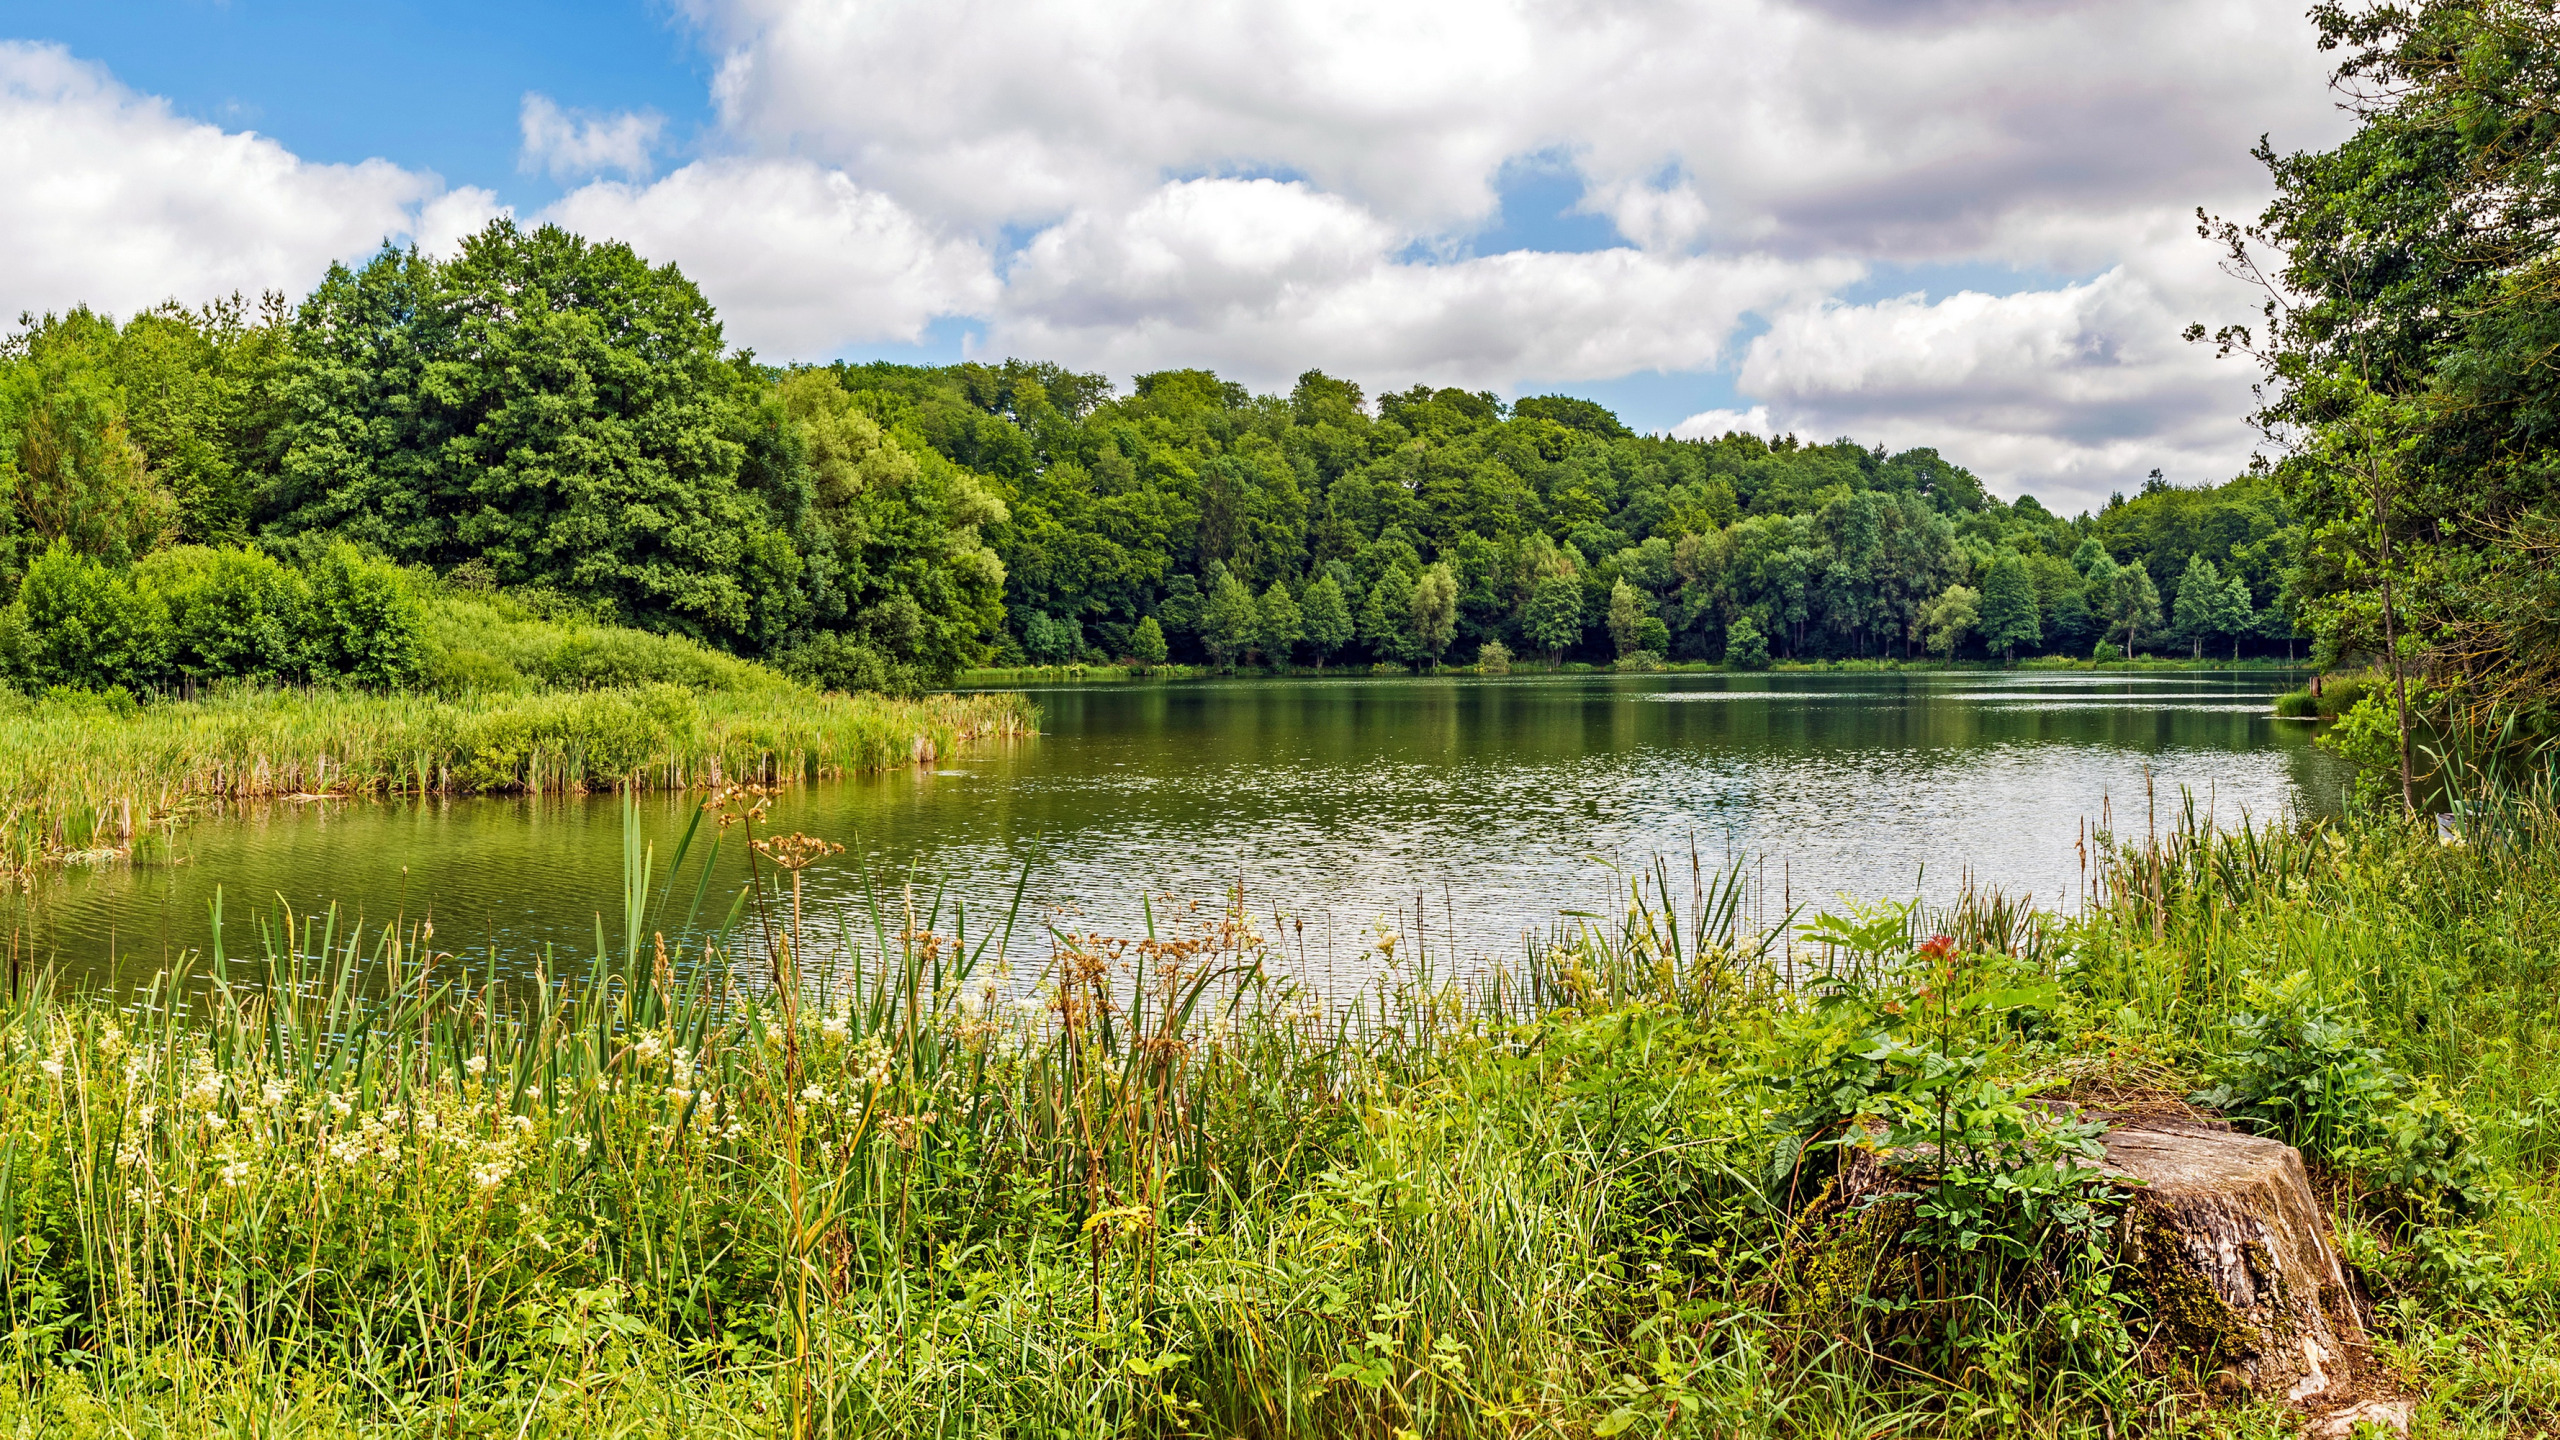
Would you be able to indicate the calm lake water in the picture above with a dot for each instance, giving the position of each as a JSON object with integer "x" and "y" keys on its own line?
{"x": 1492, "y": 804}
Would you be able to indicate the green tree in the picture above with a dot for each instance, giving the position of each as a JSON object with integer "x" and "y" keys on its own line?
{"x": 1228, "y": 620}
{"x": 1328, "y": 619}
{"x": 1278, "y": 626}
{"x": 1745, "y": 646}
{"x": 1386, "y": 617}
{"x": 2009, "y": 614}
{"x": 1945, "y": 621}
{"x": 69, "y": 464}
{"x": 893, "y": 539}
{"x": 2232, "y": 613}
{"x": 559, "y": 409}
{"x": 2133, "y": 603}
{"x": 1553, "y": 620}
{"x": 1627, "y": 614}
{"x": 1146, "y": 644}
{"x": 2197, "y": 611}
{"x": 1435, "y": 612}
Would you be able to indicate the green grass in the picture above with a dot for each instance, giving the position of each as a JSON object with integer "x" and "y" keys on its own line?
{"x": 663, "y": 1186}
{"x": 523, "y": 694}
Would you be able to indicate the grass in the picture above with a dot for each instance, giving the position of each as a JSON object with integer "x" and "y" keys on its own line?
{"x": 737, "y": 1169}
{"x": 523, "y": 693}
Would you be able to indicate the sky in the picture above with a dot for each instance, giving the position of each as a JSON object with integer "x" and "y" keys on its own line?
{"x": 1968, "y": 224}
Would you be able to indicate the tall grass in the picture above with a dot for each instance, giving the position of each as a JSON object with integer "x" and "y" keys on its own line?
{"x": 78, "y": 778}
{"x": 921, "y": 1170}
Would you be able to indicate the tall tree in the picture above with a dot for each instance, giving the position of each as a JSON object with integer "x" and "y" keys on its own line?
{"x": 1327, "y": 617}
{"x": 1228, "y": 620}
{"x": 1278, "y": 626}
{"x": 2197, "y": 612}
{"x": 2009, "y": 618}
{"x": 1435, "y": 612}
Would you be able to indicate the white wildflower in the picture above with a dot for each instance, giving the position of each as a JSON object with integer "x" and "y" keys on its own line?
{"x": 476, "y": 1066}
{"x": 234, "y": 1173}
{"x": 835, "y": 1027}
{"x": 52, "y": 1068}
{"x": 491, "y": 1175}
{"x": 522, "y": 1124}
{"x": 213, "y": 1121}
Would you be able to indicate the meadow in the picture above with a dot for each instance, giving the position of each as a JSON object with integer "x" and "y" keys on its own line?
{"x": 737, "y": 1170}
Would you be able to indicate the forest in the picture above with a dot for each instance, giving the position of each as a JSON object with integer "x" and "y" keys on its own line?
{"x": 264, "y": 491}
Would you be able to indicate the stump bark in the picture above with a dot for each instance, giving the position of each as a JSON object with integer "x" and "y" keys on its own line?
{"x": 2235, "y": 1254}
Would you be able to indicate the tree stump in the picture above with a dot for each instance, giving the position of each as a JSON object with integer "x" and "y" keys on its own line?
{"x": 2235, "y": 1256}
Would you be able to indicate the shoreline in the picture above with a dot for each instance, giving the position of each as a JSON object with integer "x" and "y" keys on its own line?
{"x": 80, "y": 783}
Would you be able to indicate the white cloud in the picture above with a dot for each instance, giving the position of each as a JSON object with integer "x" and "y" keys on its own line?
{"x": 2068, "y": 392}
{"x": 1261, "y": 279}
{"x": 576, "y": 144}
{"x": 800, "y": 261}
{"x": 1708, "y": 424}
{"x": 116, "y": 201}
{"x": 447, "y": 220}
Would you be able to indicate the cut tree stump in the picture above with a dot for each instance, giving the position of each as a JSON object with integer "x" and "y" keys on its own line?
{"x": 2235, "y": 1256}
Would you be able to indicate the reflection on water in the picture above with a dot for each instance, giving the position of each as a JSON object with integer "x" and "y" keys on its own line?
{"x": 1492, "y": 802}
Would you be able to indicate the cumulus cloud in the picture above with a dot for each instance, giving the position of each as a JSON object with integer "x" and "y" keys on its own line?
{"x": 2069, "y": 392}
{"x": 800, "y": 261}
{"x": 576, "y": 144}
{"x": 1262, "y": 278}
{"x": 116, "y": 201}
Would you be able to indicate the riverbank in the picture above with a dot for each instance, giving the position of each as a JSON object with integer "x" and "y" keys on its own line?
{"x": 1121, "y": 674}
{"x": 81, "y": 779}
{"x": 1176, "y": 1195}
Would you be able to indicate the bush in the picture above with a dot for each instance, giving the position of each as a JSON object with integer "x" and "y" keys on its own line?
{"x": 1493, "y": 658}
{"x": 2296, "y": 705}
{"x": 88, "y": 627}
{"x": 232, "y": 613}
{"x": 367, "y": 622}
{"x": 833, "y": 661}
{"x": 2304, "y": 1072}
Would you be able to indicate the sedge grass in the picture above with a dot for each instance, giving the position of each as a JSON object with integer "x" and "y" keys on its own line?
{"x": 922, "y": 1171}
{"x": 78, "y": 780}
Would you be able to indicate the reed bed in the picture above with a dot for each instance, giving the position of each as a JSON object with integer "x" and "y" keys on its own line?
{"x": 920, "y": 1170}
{"x": 78, "y": 781}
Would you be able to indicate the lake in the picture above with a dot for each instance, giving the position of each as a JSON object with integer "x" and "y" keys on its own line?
{"x": 1469, "y": 807}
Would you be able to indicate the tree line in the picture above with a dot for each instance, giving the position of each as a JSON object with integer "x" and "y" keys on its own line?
{"x": 542, "y": 413}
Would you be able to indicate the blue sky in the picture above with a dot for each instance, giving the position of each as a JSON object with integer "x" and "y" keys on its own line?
{"x": 1777, "y": 213}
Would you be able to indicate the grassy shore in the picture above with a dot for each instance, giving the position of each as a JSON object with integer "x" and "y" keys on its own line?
{"x": 858, "y": 1189}
{"x": 1118, "y": 673}
{"x": 78, "y": 779}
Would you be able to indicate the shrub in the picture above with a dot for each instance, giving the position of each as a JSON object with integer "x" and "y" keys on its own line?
{"x": 366, "y": 621}
{"x": 1493, "y": 658}
{"x": 2304, "y": 1071}
{"x": 830, "y": 660}
{"x": 88, "y": 627}
{"x": 232, "y": 613}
